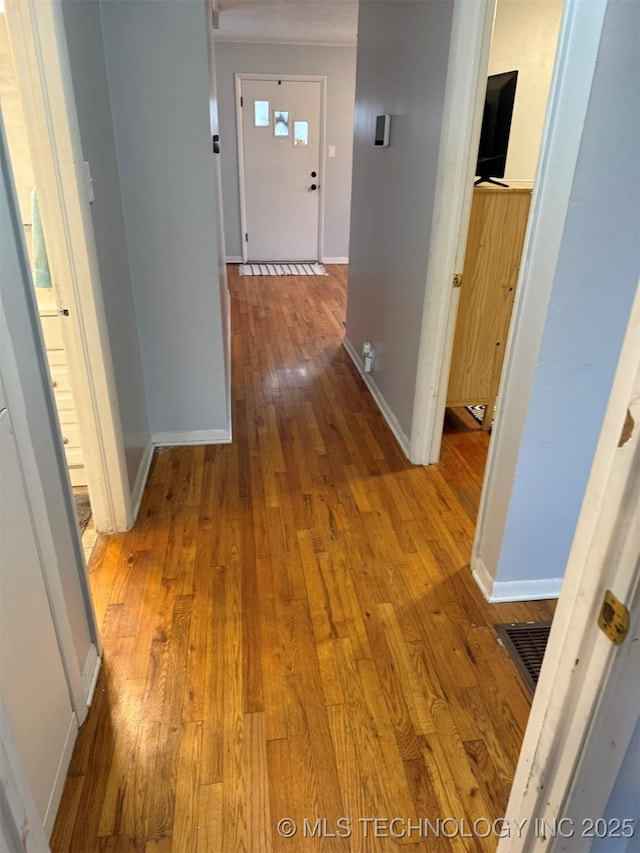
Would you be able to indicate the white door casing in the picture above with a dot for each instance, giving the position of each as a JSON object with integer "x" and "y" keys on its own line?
{"x": 39, "y": 49}
{"x": 586, "y": 703}
{"x": 280, "y": 209}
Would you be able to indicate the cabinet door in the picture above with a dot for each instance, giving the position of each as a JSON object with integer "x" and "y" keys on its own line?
{"x": 491, "y": 267}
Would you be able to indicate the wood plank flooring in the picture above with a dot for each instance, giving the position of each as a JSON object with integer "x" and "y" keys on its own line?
{"x": 291, "y": 630}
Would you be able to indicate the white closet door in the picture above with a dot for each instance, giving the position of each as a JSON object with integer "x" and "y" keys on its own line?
{"x": 32, "y": 678}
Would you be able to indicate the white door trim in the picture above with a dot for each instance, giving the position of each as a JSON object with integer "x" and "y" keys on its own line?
{"x": 461, "y": 122}
{"x": 19, "y": 324}
{"x": 586, "y": 703}
{"x": 301, "y": 78}
{"x": 38, "y": 42}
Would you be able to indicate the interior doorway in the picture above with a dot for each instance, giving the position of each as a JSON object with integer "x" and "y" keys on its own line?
{"x": 44, "y": 285}
{"x": 524, "y": 39}
{"x": 570, "y": 91}
{"x": 280, "y": 145}
{"x": 73, "y": 304}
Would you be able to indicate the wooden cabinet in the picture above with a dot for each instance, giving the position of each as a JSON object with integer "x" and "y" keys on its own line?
{"x": 492, "y": 262}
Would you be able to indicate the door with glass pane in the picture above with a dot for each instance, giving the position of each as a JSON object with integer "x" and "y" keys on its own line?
{"x": 280, "y": 151}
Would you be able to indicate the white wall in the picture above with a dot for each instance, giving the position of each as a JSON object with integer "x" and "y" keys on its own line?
{"x": 541, "y": 478}
{"x": 86, "y": 56}
{"x": 157, "y": 73}
{"x": 403, "y": 51}
{"x": 525, "y": 36}
{"x": 338, "y": 64}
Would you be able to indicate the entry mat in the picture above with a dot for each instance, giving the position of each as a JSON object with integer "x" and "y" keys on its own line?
{"x": 281, "y": 269}
{"x": 526, "y": 643}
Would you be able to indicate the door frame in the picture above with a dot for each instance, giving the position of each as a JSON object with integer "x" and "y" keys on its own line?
{"x": 576, "y": 56}
{"x": 300, "y": 78}
{"x": 471, "y": 33}
{"x": 38, "y": 43}
{"x": 585, "y": 706}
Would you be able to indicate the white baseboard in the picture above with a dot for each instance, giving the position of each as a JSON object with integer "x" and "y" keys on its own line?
{"x": 237, "y": 259}
{"x": 90, "y": 673}
{"x": 501, "y": 591}
{"x": 61, "y": 775}
{"x": 196, "y": 436}
{"x": 375, "y": 392}
{"x": 483, "y": 578}
{"x": 141, "y": 477}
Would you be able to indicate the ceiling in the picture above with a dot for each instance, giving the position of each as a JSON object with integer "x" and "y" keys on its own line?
{"x": 292, "y": 21}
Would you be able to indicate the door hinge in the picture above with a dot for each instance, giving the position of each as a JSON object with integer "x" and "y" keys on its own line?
{"x": 63, "y": 312}
{"x": 246, "y": 238}
{"x": 457, "y": 279}
{"x": 613, "y": 618}
{"x": 241, "y": 101}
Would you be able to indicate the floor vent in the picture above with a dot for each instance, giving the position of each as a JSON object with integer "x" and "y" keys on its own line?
{"x": 526, "y": 643}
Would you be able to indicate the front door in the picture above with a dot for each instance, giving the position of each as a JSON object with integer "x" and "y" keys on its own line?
{"x": 280, "y": 149}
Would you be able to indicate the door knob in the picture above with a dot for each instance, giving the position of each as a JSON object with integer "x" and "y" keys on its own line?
{"x": 313, "y": 187}
{"x": 313, "y": 174}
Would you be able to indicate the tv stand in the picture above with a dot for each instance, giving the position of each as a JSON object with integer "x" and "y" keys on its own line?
{"x": 490, "y": 181}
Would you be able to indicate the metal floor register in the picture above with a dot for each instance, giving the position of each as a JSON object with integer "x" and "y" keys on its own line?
{"x": 526, "y": 643}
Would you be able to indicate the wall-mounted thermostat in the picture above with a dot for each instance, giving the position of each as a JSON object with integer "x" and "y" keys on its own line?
{"x": 383, "y": 130}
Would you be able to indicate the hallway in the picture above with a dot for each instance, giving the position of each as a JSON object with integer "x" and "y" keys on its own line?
{"x": 291, "y": 630}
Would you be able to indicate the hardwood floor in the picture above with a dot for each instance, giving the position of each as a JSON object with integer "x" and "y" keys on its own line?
{"x": 291, "y": 629}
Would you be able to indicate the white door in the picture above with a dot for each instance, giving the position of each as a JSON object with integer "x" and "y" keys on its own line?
{"x": 33, "y": 684}
{"x": 280, "y": 150}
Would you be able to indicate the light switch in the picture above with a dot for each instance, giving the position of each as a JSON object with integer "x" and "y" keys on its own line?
{"x": 331, "y": 151}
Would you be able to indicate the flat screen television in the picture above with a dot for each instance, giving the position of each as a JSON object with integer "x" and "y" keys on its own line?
{"x": 496, "y": 126}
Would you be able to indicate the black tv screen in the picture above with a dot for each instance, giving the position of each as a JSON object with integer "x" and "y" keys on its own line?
{"x": 496, "y": 126}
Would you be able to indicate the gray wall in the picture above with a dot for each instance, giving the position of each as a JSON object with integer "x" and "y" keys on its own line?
{"x": 402, "y": 60}
{"x": 338, "y": 63}
{"x": 596, "y": 279}
{"x": 86, "y": 55}
{"x": 157, "y": 72}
